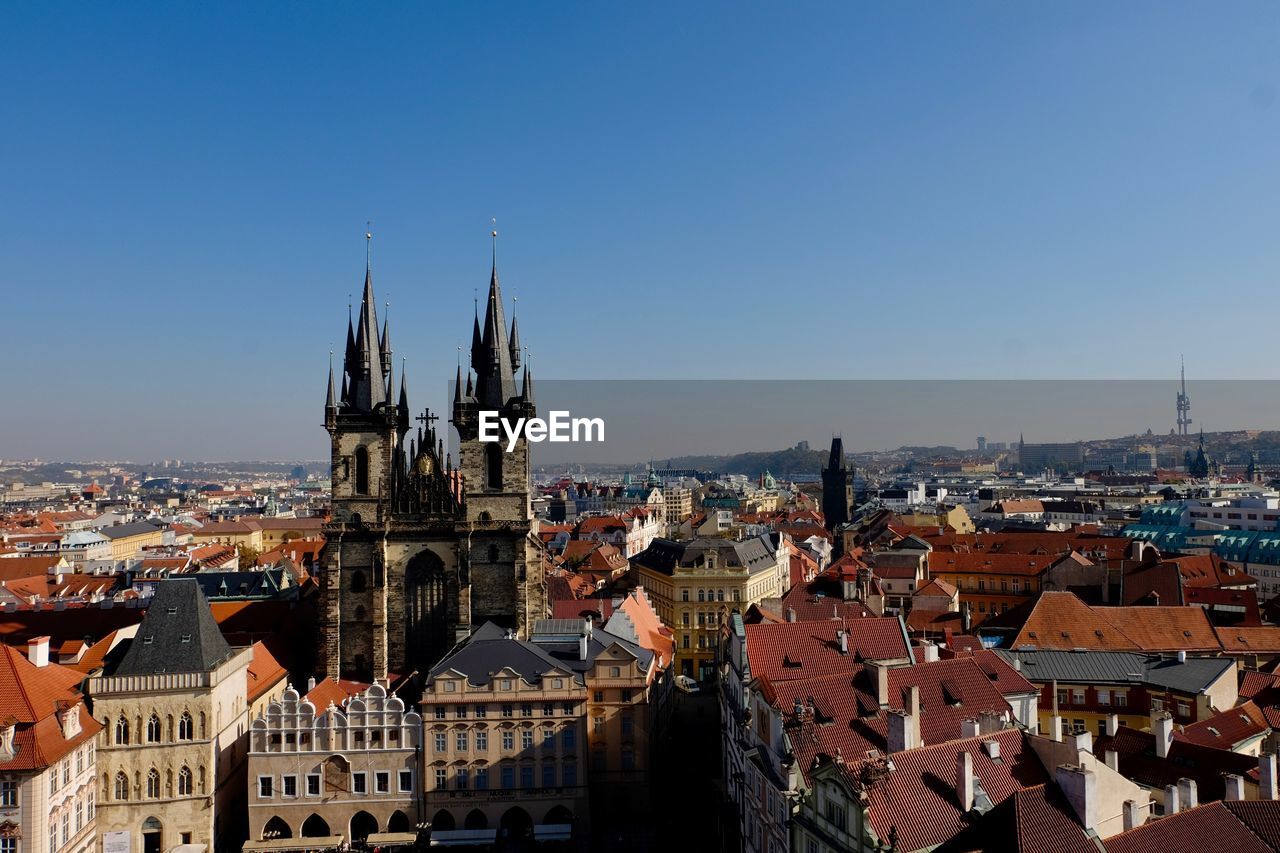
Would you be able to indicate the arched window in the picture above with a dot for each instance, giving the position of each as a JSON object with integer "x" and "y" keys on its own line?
{"x": 122, "y": 786}
{"x": 184, "y": 782}
{"x": 153, "y": 729}
{"x": 153, "y": 784}
{"x": 492, "y": 466}
{"x": 122, "y": 731}
{"x": 362, "y": 470}
{"x": 357, "y": 582}
{"x": 186, "y": 729}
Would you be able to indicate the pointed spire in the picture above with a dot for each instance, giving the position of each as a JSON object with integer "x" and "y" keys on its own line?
{"x": 349, "y": 360}
{"x": 329, "y": 403}
{"x": 495, "y": 378}
{"x": 369, "y": 383}
{"x": 404, "y": 394}
{"x": 391, "y": 384}
{"x": 385, "y": 340}
{"x": 515, "y": 336}
{"x": 457, "y": 387}
{"x": 526, "y": 389}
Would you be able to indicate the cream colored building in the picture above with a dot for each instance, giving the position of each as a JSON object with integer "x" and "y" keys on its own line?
{"x": 695, "y": 585}
{"x": 505, "y": 745}
{"x": 47, "y": 761}
{"x": 129, "y": 539}
{"x": 331, "y": 764}
{"x": 172, "y": 755}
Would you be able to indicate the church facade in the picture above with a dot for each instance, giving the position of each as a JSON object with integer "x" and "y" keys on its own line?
{"x": 420, "y": 548}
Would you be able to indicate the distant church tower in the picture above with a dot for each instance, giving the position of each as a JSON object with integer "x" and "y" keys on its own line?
{"x": 417, "y": 551}
{"x": 1184, "y": 405}
{"x": 837, "y": 487}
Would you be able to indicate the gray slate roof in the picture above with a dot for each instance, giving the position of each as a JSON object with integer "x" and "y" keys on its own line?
{"x": 488, "y": 651}
{"x": 178, "y": 634}
{"x": 1194, "y": 675}
{"x": 133, "y": 528}
{"x": 665, "y": 555}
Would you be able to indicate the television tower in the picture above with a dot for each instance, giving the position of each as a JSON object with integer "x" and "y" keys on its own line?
{"x": 1184, "y": 404}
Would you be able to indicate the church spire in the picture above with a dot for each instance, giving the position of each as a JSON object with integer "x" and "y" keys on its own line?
{"x": 515, "y": 337}
{"x": 495, "y": 377}
{"x": 330, "y": 406}
{"x": 403, "y": 404}
{"x": 385, "y": 340}
{"x": 526, "y": 390}
{"x": 368, "y": 380}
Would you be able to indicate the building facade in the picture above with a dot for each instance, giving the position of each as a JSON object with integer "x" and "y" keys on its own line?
{"x": 174, "y": 714}
{"x": 322, "y": 770}
{"x": 695, "y": 585}
{"x": 47, "y": 758}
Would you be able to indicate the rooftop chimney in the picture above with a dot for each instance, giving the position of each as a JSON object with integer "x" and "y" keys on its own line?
{"x": 1162, "y": 728}
{"x": 1267, "y": 776}
{"x": 913, "y": 708}
{"x": 964, "y": 781}
{"x": 1133, "y": 817}
{"x": 1113, "y": 725}
{"x": 969, "y": 728}
{"x": 1080, "y": 786}
{"x": 311, "y": 683}
{"x": 930, "y": 652}
{"x": 1084, "y": 741}
{"x": 900, "y": 732}
{"x": 1113, "y": 760}
{"x": 993, "y": 749}
{"x": 879, "y": 672}
{"x": 1235, "y": 786}
{"x": 1182, "y": 656}
{"x": 1170, "y": 799}
{"x": 1188, "y": 795}
{"x": 583, "y": 638}
{"x": 791, "y": 614}
{"x": 38, "y": 651}
{"x": 842, "y": 637}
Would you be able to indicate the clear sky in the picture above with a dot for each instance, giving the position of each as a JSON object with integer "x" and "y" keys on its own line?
{"x": 695, "y": 190}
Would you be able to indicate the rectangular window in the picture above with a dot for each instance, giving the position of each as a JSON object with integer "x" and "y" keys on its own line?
{"x": 508, "y": 740}
{"x": 1104, "y": 697}
{"x": 549, "y": 709}
{"x": 482, "y": 778}
{"x": 460, "y": 741}
{"x": 461, "y": 712}
{"x": 566, "y": 708}
{"x": 570, "y": 738}
{"x": 440, "y": 712}
{"x": 526, "y": 710}
{"x": 406, "y": 781}
{"x": 442, "y": 742}
{"x": 526, "y": 776}
{"x": 482, "y": 741}
{"x": 382, "y": 782}
{"x": 626, "y": 694}
{"x": 360, "y": 782}
{"x": 508, "y": 778}
{"x": 1121, "y": 699}
{"x": 508, "y": 710}
{"x": 526, "y": 740}
{"x": 442, "y": 777}
{"x": 548, "y": 775}
{"x": 313, "y": 784}
{"x": 482, "y": 711}
{"x": 289, "y": 786}
{"x": 570, "y": 774}
{"x": 549, "y": 739}
{"x": 264, "y": 787}
{"x": 8, "y": 792}
{"x": 1077, "y": 697}
{"x": 462, "y": 779}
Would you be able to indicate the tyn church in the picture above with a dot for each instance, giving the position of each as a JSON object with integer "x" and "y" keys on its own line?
{"x": 421, "y": 548}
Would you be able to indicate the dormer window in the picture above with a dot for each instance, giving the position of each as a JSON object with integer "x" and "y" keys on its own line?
{"x": 8, "y": 727}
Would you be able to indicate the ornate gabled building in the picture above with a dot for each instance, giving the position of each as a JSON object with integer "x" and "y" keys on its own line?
{"x": 420, "y": 549}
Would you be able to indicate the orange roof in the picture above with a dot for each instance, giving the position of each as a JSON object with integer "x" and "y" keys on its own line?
{"x": 1262, "y": 639}
{"x": 32, "y": 696}
{"x": 265, "y": 671}
{"x": 1164, "y": 628}
{"x": 989, "y": 563}
{"x": 333, "y": 691}
{"x": 653, "y": 635}
{"x": 1060, "y": 620}
{"x": 13, "y": 568}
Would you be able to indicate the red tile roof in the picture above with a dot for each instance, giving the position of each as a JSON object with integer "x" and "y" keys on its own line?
{"x": 786, "y": 650}
{"x": 333, "y": 691}
{"x": 1265, "y": 640}
{"x": 264, "y": 673}
{"x": 1208, "y": 827}
{"x": 918, "y": 797}
{"x": 1227, "y": 728}
{"x": 31, "y": 696}
{"x": 1024, "y": 565}
{"x": 1060, "y": 620}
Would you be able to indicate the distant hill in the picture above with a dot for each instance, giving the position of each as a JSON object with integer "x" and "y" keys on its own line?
{"x": 783, "y": 464}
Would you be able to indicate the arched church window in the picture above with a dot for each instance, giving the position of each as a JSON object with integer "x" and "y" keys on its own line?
{"x": 122, "y": 731}
{"x": 492, "y": 466}
{"x": 185, "y": 726}
{"x": 153, "y": 729}
{"x": 122, "y": 786}
{"x": 357, "y": 582}
{"x": 153, "y": 784}
{"x": 362, "y": 470}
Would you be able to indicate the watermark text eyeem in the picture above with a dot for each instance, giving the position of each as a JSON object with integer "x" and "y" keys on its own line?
{"x": 558, "y": 427}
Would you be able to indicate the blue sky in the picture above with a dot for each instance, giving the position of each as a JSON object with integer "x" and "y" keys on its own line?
{"x": 837, "y": 190}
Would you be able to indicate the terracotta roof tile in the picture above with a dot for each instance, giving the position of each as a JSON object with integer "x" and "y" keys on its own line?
{"x": 1208, "y": 827}
{"x": 785, "y": 650}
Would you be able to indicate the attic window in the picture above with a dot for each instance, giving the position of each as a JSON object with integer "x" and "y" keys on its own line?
{"x": 173, "y": 611}
{"x": 146, "y": 641}
{"x": 1186, "y": 633}
{"x": 789, "y": 663}
{"x": 186, "y": 638}
{"x": 1031, "y": 634}
{"x": 1097, "y": 634}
